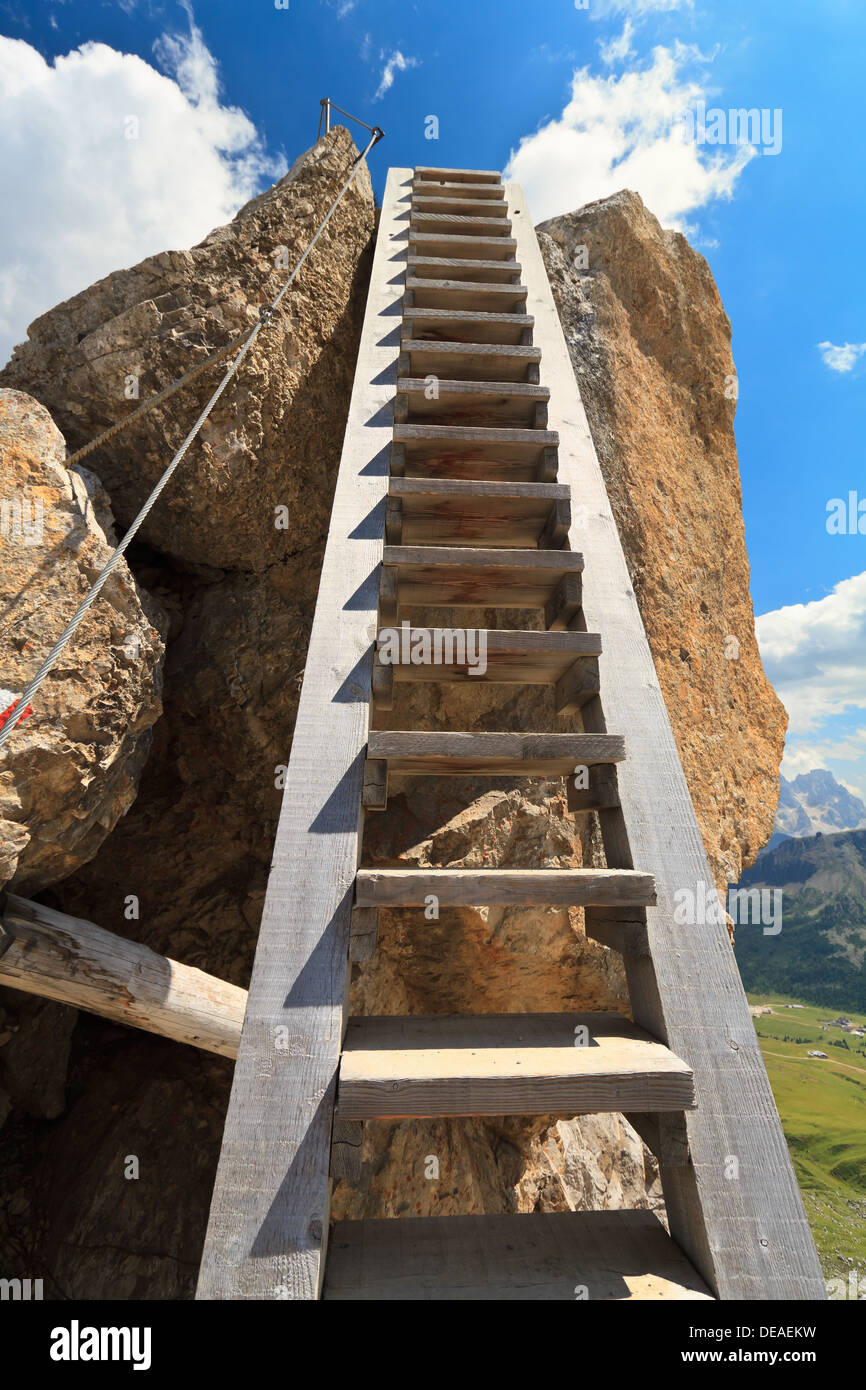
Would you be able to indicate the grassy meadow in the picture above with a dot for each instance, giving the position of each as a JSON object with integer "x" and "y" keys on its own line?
{"x": 823, "y": 1109}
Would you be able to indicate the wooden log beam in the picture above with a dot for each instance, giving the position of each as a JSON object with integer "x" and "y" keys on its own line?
{"x": 74, "y": 962}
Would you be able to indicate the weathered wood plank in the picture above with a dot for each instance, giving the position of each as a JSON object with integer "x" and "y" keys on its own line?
{"x": 269, "y": 1216}
{"x": 510, "y": 658}
{"x": 487, "y": 192}
{"x": 468, "y": 361}
{"x": 461, "y": 224}
{"x": 460, "y": 268}
{"x": 466, "y": 205}
{"x": 460, "y": 434}
{"x": 602, "y": 1256}
{"x": 465, "y": 325}
{"x": 427, "y": 173}
{"x": 425, "y": 451}
{"x": 505, "y": 1064}
{"x": 461, "y": 512}
{"x": 364, "y": 933}
{"x": 448, "y": 244}
{"x": 75, "y": 962}
{"x": 346, "y": 1144}
{"x": 417, "y": 753}
{"x": 749, "y": 1238}
{"x": 486, "y": 404}
{"x": 503, "y": 887}
{"x": 458, "y": 577}
{"x": 466, "y": 294}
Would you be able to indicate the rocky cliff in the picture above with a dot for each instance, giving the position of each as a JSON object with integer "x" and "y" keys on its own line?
{"x": 195, "y": 846}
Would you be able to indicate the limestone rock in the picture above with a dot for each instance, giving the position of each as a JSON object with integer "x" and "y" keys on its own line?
{"x": 651, "y": 348}
{"x": 270, "y": 441}
{"x": 70, "y": 769}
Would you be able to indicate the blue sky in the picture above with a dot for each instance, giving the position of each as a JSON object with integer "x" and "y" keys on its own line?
{"x": 583, "y": 101}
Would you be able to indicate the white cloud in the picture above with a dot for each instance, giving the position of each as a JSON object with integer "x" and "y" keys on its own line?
{"x": 87, "y": 199}
{"x": 841, "y": 358}
{"x": 600, "y": 9}
{"x": 815, "y": 655}
{"x": 618, "y": 49}
{"x": 628, "y": 131}
{"x": 395, "y": 63}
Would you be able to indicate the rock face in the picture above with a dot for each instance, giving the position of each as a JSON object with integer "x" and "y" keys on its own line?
{"x": 196, "y": 845}
{"x": 651, "y": 347}
{"x": 269, "y": 442}
{"x": 71, "y": 768}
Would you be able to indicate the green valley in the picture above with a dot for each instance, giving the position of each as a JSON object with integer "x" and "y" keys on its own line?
{"x": 822, "y": 1104}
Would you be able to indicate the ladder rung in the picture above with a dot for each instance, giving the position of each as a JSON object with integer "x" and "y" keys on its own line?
{"x": 465, "y": 325}
{"x": 509, "y": 404}
{"x": 425, "y": 173}
{"x": 505, "y": 887}
{"x": 463, "y": 294}
{"x": 423, "y": 754}
{"x": 513, "y": 463}
{"x": 488, "y": 192}
{"x": 464, "y": 204}
{"x": 461, "y": 512}
{"x": 460, "y": 268}
{"x": 567, "y": 661}
{"x": 543, "y": 1257}
{"x": 455, "y": 577}
{"x": 468, "y": 361}
{"x": 484, "y": 440}
{"x": 459, "y": 224}
{"x": 452, "y": 243}
{"x": 505, "y": 1064}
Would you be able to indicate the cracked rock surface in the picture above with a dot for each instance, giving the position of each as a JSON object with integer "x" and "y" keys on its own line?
{"x": 71, "y": 768}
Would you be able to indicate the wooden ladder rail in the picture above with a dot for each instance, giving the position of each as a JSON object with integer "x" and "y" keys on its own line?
{"x": 268, "y": 1221}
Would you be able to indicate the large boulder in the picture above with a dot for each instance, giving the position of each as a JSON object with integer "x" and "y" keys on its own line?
{"x": 269, "y": 443}
{"x": 70, "y": 769}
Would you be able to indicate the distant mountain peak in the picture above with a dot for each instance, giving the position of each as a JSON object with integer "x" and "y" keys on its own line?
{"x": 815, "y": 803}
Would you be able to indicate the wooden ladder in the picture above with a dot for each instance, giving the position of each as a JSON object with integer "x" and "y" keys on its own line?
{"x": 459, "y": 501}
